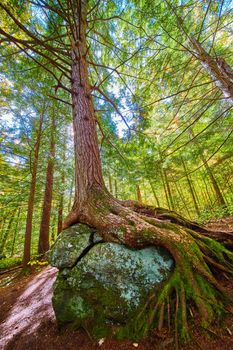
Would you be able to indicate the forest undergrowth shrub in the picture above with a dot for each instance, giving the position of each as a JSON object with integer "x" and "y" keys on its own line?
{"x": 215, "y": 213}
{"x": 6, "y": 263}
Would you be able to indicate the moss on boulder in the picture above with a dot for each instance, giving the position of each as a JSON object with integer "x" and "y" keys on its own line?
{"x": 101, "y": 286}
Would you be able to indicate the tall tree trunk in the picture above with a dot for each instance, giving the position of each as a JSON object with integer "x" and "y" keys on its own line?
{"x": 206, "y": 183}
{"x": 28, "y": 231}
{"x": 213, "y": 181}
{"x": 43, "y": 244}
{"x": 182, "y": 197}
{"x": 154, "y": 193}
{"x": 88, "y": 172}
{"x": 110, "y": 183}
{"x": 139, "y": 195}
{"x": 218, "y": 193}
{"x": 168, "y": 190}
{"x": 116, "y": 188}
{"x": 218, "y": 69}
{"x": 165, "y": 188}
{"x": 61, "y": 204}
{"x": 6, "y": 233}
{"x": 190, "y": 188}
{"x": 70, "y": 194}
{"x": 15, "y": 232}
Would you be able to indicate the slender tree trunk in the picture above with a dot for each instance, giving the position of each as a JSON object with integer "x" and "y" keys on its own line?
{"x": 218, "y": 193}
{"x": 54, "y": 226}
{"x": 213, "y": 181}
{"x": 43, "y": 244}
{"x": 61, "y": 204}
{"x": 218, "y": 69}
{"x": 168, "y": 190}
{"x": 61, "y": 195}
{"x": 139, "y": 195}
{"x": 6, "y": 233}
{"x": 28, "y": 232}
{"x": 190, "y": 188}
{"x": 154, "y": 193}
{"x": 181, "y": 195}
{"x": 116, "y": 188}
{"x": 207, "y": 191}
{"x": 110, "y": 183}
{"x": 2, "y": 224}
{"x": 165, "y": 188}
{"x": 15, "y": 232}
{"x": 71, "y": 194}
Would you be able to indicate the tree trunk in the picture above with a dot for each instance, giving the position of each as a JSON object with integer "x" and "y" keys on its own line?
{"x": 171, "y": 206}
{"x": 213, "y": 181}
{"x": 218, "y": 193}
{"x": 139, "y": 195}
{"x": 110, "y": 183}
{"x": 182, "y": 197}
{"x": 15, "y": 232}
{"x": 70, "y": 194}
{"x": 88, "y": 172}
{"x": 218, "y": 69}
{"x": 190, "y": 188}
{"x": 6, "y": 234}
{"x": 61, "y": 204}
{"x": 28, "y": 232}
{"x": 116, "y": 188}
{"x": 43, "y": 245}
{"x": 154, "y": 193}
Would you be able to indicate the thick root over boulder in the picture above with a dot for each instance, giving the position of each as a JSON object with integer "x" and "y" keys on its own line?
{"x": 197, "y": 256}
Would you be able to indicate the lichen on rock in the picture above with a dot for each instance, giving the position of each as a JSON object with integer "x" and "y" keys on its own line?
{"x": 108, "y": 285}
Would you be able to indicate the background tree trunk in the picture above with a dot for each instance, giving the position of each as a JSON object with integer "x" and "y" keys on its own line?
{"x": 217, "y": 68}
{"x": 28, "y": 232}
{"x": 43, "y": 244}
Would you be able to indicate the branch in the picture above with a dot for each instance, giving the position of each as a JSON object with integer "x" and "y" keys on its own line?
{"x": 59, "y": 99}
{"x": 207, "y": 160}
{"x": 213, "y": 121}
{"x": 113, "y": 104}
{"x": 31, "y": 35}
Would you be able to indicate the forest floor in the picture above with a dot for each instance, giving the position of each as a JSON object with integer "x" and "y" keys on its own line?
{"x": 27, "y": 321}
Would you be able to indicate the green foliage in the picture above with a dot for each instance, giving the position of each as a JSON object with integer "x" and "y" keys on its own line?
{"x": 37, "y": 263}
{"x": 7, "y": 263}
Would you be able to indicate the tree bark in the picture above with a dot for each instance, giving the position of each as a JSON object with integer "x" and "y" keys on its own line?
{"x": 61, "y": 204}
{"x": 88, "y": 171}
{"x": 28, "y": 231}
{"x": 116, "y": 188}
{"x": 6, "y": 234}
{"x": 218, "y": 70}
{"x": 154, "y": 193}
{"x": 110, "y": 183}
{"x": 139, "y": 195}
{"x": 218, "y": 193}
{"x": 15, "y": 232}
{"x": 43, "y": 244}
{"x": 191, "y": 188}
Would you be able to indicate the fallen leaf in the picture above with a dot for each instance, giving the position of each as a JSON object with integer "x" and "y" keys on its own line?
{"x": 101, "y": 341}
{"x": 135, "y": 345}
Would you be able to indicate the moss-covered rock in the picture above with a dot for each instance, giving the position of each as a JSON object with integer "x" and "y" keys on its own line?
{"x": 108, "y": 284}
{"x": 71, "y": 244}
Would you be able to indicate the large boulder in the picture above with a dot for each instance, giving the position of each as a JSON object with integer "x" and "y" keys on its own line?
{"x": 101, "y": 286}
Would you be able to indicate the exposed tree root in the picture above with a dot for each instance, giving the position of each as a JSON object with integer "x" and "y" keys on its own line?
{"x": 195, "y": 253}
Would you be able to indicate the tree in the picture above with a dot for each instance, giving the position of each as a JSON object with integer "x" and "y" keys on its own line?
{"x": 43, "y": 245}
{"x": 69, "y": 58}
{"x": 28, "y": 231}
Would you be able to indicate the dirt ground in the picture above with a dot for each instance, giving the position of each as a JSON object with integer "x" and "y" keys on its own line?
{"x": 27, "y": 320}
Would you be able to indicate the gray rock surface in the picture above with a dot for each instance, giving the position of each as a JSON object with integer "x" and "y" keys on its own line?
{"x": 103, "y": 284}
